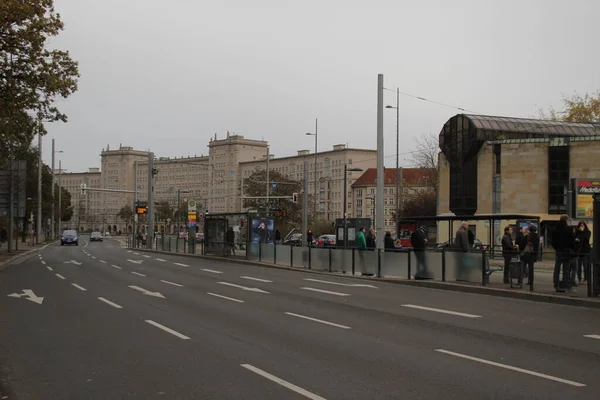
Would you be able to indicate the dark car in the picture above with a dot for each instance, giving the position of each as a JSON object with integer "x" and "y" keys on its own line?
{"x": 69, "y": 237}
{"x": 96, "y": 237}
{"x": 296, "y": 240}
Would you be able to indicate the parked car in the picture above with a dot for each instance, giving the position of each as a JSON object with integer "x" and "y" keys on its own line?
{"x": 96, "y": 237}
{"x": 296, "y": 240}
{"x": 69, "y": 237}
{"x": 199, "y": 237}
{"x": 183, "y": 235}
{"x": 326, "y": 241}
{"x": 477, "y": 245}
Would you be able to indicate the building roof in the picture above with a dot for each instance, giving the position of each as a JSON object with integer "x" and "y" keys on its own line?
{"x": 310, "y": 156}
{"x": 410, "y": 176}
{"x": 531, "y": 126}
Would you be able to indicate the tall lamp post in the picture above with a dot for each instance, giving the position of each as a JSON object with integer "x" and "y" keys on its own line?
{"x": 398, "y": 171}
{"x": 52, "y": 219}
{"x": 59, "y": 198}
{"x": 346, "y": 170}
{"x": 316, "y": 135}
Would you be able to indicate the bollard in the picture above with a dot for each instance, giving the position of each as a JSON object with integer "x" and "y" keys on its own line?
{"x": 353, "y": 261}
{"x": 291, "y": 256}
{"x": 309, "y": 258}
{"x": 274, "y": 253}
{"x": 483, "y": 264}
{"x": 444, "y": 264}
{"x": 330, "y": 259}
{"x": 409, "y": 266}
{"x": 378, "y": 263}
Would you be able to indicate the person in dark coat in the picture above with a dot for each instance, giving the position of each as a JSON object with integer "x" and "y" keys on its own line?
{"x": 417, "y": 241}
{"x": 531, "y": 250}
{"x": 521, "y": 242}
{"x": 309, "y": 238}
{"x": 461, "y": 240}
{"x": 277, "y": 236}
{"x": 230, "y": 241}
{"x": 582, "y": 245}
{"x": 563, "y": 242}
{"x": 388, "y": 242}
{"x": 471, "y": 237}
{"x": 508, "y": 251}
{"x": 371, "y": 240}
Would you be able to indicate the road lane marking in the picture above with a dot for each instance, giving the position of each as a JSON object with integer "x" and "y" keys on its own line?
{"x": 212, "y": 271}
{"x": 171, "y": 283}
{"x": 79, "y": 287}
{"x": 94, "y": 257}
{"x": 115, "y": 266}
{"x": 137, "y": 254}
{"x": 325, "y": 291}
{"x": 164, "y": 328}
{"x": 129, "y": 251}
{"x": 438, "y": 310}
{"x": 103, "y": 262}
{"x": 147, "y": 292}
{"x": 256, "y": 279}
{"x": 318, "y": 320}
{"x": 160, "y": 259}
{"x": 341, "y": 284}
{"x": 135, "y": 261}
{"x": 243, "y": 287}
{"x": 225, "y": 297}
{"x": 511, "y": 368}
{"x": 592, "y": 336}
{"x": 283, "y": 383}
{"x": 146, "y": 256}
{"x": 137, "y": 273}
{"x": 60, "y": 276}
{"x": 43, "y": 262}
{"x": 110, "y": 303}
{"x": 50, "y": 269}
{"x": 181, "y": 265}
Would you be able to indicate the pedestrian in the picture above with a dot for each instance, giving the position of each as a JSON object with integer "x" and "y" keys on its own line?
{"x": 277, "y": 236}
{"x": 309, "y": 238}
{"x": 361, "y": 242}
{"x": 417, "y": 241}
{"x": 471, "y": 237}
{"x": 531, "y": 249}
{"x": 521, "y": 242}
{"x": 230, "y": 241}
{"x": 461, "y": 240}
{"x": 388, "y": 242}
{"x": 371, "y": 240}
{"x": 462, "y": 245}
{"x": 508, "y": 252}
{"x": 582, "y": 243}
{"x": 563, "y": 242}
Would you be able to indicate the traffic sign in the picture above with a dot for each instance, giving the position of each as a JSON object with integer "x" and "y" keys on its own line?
{"x": 192, "y": 205}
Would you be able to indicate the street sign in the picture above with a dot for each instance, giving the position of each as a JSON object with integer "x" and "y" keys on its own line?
{"x": 192, "y": 205}
{"x": 191, "y": 224}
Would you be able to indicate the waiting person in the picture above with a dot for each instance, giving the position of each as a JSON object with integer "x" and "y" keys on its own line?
{"x": 417, "y": 241}
{"x": 461, "y": 240}
{"x": 531, "y": 249}
{"x": 230, "y": 241}
{"x": 471, "y": 237}
{"x": 508, "y": 252}
{"x": 563, "y": 242}
{"x": 309, "y": 238}
{"x": 582, "y": 244}
{"x": 388, "y": 242}
{"x": 361, "y": 244}
{"x": 520, "y": 241}
{"x": 277, "y": 236}
{"x": 371, "y": 240}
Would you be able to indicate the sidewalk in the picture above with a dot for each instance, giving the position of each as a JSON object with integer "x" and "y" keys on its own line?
{"x": 24, "y": 249}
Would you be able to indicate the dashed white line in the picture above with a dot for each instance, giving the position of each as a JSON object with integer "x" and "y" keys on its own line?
{"x": 147, "y": 256}
{"x": 43, "y": 262}
{"x": 225, "y": 297}
{"x": 341, "y": 284}
{"x": 137, "y": 254}
{"x": 256, "y": 279}
{"x": 94, "y": 257}
{"x": 438, "y": 310}
{"x": 256, "y": 290}
{"x": 50, "y": 269}
{"x": 181, "y": 265}
{"x": 79, "y": 287}
{"x": 137, "y": 273}
{"x": 212, "y": 271}
{"x": 171, "y": 283}
{"x": 164, "y": 328}
{"x": 103, "y": 262}
{"x": 115, "y": 266}
{"x": 325, "y": 291}
{"x": 283, "y": 383}
{"x": 160, "y": 259}
{"x": 318, "y": 320}
{"x": 60, "y": 276}
{"x": 592, "y": 336}
{"x": 511, "y": 368}
{"x": 110, "y": 303}
{"x": 129, "y": 251}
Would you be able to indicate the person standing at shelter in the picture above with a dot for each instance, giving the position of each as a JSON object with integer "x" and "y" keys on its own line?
{"x": 531, "y": 249}
{"x": 563, "y": 242}
{"x": 388, "y": 242}
{"x": 582, "y": 243}
{"x": 361, "y": 244}
{"x": 521, "y": 242}
{"x": 508, "y": 252}
{"x": 417, "y": 241}
{"x": 462, "y": 245}
{"x": 371, "y": 240}
{"x": 461, "y": 240}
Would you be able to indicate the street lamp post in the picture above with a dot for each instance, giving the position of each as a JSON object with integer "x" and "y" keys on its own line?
{"x": 59, "y": 197}
{"x": 346, "y": 170}
{"x": 53, "y": 216}
{"x": 398, "y": 171}
{"x": 316, "y": 135}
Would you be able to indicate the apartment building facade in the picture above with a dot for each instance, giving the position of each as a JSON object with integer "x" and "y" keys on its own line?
{"x": 87, "y": 206}
{"x": 327, "y": 181}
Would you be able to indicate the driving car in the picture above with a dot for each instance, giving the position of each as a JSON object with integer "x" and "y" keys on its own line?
{"x": 326, "y": 241}
{"x": 69, "y": 237}
{"x": 96, "y": 237}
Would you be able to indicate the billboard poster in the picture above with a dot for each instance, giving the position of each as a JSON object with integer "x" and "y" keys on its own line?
{"x": 584, "y": 197}
{"x": 262, "y": 230}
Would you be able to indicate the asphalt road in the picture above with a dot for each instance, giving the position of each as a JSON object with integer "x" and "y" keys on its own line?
{"x": 115, "y": 323}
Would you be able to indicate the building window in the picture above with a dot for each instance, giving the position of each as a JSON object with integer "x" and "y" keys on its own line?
{"x": 385, "y": 201}
{"x": 372, "y": 191}
{"x": 359, "y": 203}
{"x": 359, "y": 214}
{"x": 349, "y": 205}
{"x": 558, "y": 179}
{"x": 385, "y": 191}
{"x": 391, "y": 191}
{"x": 359, "y": 193}
{"x": 391, "y": 202}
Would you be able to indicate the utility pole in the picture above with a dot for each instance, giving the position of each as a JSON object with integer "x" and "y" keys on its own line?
{"x": 268, "y": 188}
{"x": 316, "y": 158}
{"x": 150, "y": 230}
{"x": 398, "y": 172}
{"x": 39, "y": 200}
{"x": 379, "y": 214}
{"x": 59, "y": 197}
{"x": 305, "y": 205}
{"x": 11, "y": 202}
{"x": 53, "y": 227}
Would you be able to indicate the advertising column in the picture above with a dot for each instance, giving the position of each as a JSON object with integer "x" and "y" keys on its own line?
{"x": 191, "y": 225}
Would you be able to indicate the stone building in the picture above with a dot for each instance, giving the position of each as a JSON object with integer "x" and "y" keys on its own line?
{"x": 500, "y": 165}
{"x": 87, "y": 206}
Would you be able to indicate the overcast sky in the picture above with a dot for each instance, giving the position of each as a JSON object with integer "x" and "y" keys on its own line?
{"x": 168, "y": 75}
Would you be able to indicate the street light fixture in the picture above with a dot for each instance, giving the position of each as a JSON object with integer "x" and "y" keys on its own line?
{"x": 346, "y": 170}
{"x": 398, "y": 170}
{"x": 316, "y": 135}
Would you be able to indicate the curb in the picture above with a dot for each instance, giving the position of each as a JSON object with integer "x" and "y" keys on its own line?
{"x": 21, "y": 256}
{"x": 456, "y": 287}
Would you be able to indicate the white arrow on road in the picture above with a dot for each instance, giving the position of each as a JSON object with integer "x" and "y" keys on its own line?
{"x": 29, "y": 295}
{"x": 256, "y": 290}
{"x": 341, "y": 284}
{"x": 135, "y": 261}
{"x": 72, "y": 262}
{"x": 149, "y": 293}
